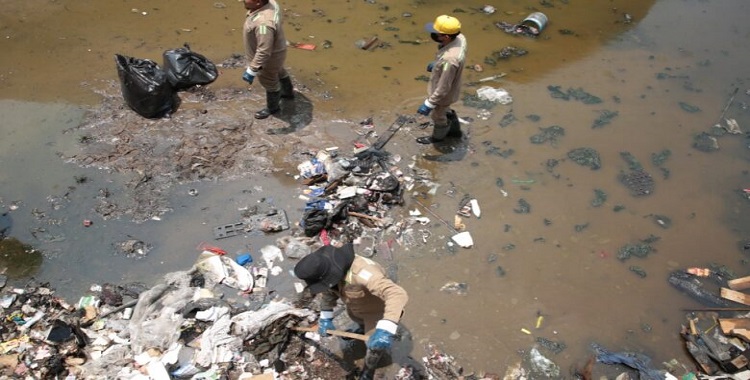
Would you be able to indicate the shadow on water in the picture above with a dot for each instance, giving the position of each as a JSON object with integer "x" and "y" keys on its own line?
{"x": 297, "y": 113}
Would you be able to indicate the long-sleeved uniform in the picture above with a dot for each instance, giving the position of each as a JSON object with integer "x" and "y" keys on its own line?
{"x": 368, "y": 294}
{"x": 444, "y": 88}
{"x": 265, "y": 45}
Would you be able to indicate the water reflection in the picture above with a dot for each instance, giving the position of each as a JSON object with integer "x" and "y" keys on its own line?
{"x": 19, "y": 260}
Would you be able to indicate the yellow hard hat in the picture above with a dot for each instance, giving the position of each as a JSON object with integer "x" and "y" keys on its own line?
{"x": 444, "y": 24}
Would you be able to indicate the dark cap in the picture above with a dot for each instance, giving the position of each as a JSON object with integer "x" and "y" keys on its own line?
{"x": 325, "y": 268}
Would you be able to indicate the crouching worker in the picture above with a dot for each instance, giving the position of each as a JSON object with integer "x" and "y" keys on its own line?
{"x": 371, "y": 299}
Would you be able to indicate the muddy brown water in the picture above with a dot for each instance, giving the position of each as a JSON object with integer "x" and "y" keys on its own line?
{"x": 58, "y": 53}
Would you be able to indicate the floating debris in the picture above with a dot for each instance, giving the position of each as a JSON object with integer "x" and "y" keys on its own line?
{"x": 523, "y": 207}
{"x": 575, "y": 94}
{"x": 549, "y": 134}
{"x": 662, "y": 221}
{"x": 638, "y": 270}
{"x": 639, "y": 182}
{"x": 599, "y": 198}
{"x": 554, "y": 347}
{"x": 453, "y": 287}
{"x": 605, "y": 117}
{"x": 499, "y": 271}
{"x": 658, "y": 159}
{"x": 507, "y": 119}
{"x": 475, "y": 101}
{"x": 704, "y": 142}
{"x": 633, "y": 163}
{"x": 689, "y": 108}
{"x": 503, "y": 54}
{"x": 586, "y": 157}
{"x": 638, "y": 250}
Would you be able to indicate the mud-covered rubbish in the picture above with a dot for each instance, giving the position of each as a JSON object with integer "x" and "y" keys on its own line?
{"x": 662, "y": 221}
{"x": 523, "y": 207}
{"x": 542, "y": 367}
{"x": 696, "y": 287}
{"x": 550, "y": 134}
{"x": 457, "y": 288}
{"x": 689, "y": 107}
{"x": 704, "y": 142}
{"x": 631, "y": 160}
{"x": 639, "y": 182}
{"x": 586, "y": 157}
{"x": 659, "y": 158}
{"x": 504, "y": 54}
{"x": 555, "y": 347}
{"x": 638, "y": 271}
{"x": 605, "y": 117}
{"x": 640, "y": 250}
{"x": 474, "y": 101}
{"x": 578, "y": 94}
{"x": 133, "y": 248}
{"x": 599, "y": 198}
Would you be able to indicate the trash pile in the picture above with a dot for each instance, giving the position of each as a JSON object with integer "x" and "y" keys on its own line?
{"x": 181, "y": 328}
{"x": 348, "y": 198}
{"x": 717, "y": 337}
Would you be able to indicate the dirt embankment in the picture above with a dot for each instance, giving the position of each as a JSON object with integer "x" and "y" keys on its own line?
{"x": 211, "y": 135}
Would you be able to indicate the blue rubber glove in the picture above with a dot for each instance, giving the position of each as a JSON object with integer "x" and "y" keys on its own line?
{"x": 249, "y": 75}
{"x": 425, "y": 108}
{"x": 430, "y": 66}
{"x": 325, "y": 323}
{"x": 382, "y": 338}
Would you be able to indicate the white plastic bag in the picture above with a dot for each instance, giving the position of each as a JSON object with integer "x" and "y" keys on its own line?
{"x": 498, "y": 95}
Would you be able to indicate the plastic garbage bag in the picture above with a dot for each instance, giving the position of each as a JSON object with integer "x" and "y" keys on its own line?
{"x": 186, "y": 68}
{"x": 246, "y": 325}
{"x": 311, "y": 168}
{"x": 314, "y": 221}
{"x": 222, "y": 269}
{"x": 156, "y": 316}
{"x": 217, "y": 345}
{"x": 498, "y": 95}
{"x": 144, "y": 86}
{"x": 633, "y": 360}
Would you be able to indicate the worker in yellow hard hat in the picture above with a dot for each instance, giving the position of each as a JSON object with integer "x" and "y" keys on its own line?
{"x": 445, "y": 79}
{"x": 265, "y": 49}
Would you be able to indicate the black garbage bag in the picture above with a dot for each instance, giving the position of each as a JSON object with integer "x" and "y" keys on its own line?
{"x": 314, "y": 221}
{"x": 186, "y": 68}
{"x": 144, "y": 86}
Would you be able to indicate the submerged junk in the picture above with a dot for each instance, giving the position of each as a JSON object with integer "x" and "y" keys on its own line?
{"x": 639, "y": 182}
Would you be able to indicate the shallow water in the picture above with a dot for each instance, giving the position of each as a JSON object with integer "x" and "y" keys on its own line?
{"x": 572, "y": 278}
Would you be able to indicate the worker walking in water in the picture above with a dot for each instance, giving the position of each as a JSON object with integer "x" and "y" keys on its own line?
{"x": 265, "y": 48}
{"x": 445, "y": 79}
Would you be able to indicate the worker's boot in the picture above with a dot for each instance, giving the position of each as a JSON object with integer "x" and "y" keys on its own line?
{"x": 454, "y": 126}
{"x": 287, "y": 89}
{"x": 272, "y": 105}
{"x": 439, "y": 132}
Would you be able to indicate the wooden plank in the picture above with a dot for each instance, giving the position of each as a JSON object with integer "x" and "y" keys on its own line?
{"x": 740, "y": 283}
{"x": 735, "y": 296}
{"x": 728, "y": 324}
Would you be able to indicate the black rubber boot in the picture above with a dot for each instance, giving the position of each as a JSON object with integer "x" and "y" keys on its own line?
{"x": 453, "y": 124}
{"x": 428, "y": 140}
{"x": 287, "y": 89}
{"x": 439, "y": 131}
{"x": 272, "y": 105}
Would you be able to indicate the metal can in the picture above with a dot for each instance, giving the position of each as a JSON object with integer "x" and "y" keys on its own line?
{"x": 536, "y": 20}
